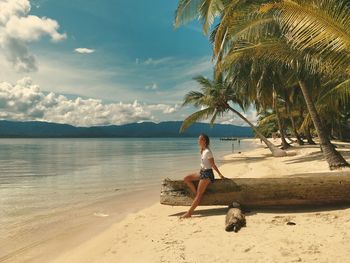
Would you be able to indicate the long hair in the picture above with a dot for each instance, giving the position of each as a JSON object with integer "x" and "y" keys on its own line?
{"x": 206, "y": 139}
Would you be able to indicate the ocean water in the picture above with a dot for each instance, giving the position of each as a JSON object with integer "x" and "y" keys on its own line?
{"x": 39, "y": 177}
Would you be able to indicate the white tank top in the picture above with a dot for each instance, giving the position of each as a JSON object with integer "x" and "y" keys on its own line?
{"x": 206, "y": 155}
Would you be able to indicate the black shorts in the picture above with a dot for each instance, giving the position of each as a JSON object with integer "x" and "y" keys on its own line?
{"x": 206, "y": 174}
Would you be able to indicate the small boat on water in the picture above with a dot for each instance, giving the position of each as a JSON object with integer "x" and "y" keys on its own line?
{"x": 228, "y": 139}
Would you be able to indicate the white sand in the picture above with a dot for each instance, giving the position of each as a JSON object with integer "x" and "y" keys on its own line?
{"x": 156, "y": 234}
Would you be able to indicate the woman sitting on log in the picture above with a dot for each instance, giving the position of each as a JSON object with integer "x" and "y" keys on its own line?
{"x": 205, "y": 175}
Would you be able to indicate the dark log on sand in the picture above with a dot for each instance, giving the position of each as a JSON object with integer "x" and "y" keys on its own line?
{"x": 303, "y": 189}
{"x": 235, "y": 219}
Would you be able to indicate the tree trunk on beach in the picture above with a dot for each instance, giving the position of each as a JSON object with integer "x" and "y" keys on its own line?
{"x": 308, "y": 136}
{"x": 303, "y": 189}
{"x": 296, "y": 134}
{"x": 294, "y": 127}
{"x": 340, "y": 130}
{"x": 335, "y": 159}
{"x": 285, "y": 144}
{"x": 276, "y": 152}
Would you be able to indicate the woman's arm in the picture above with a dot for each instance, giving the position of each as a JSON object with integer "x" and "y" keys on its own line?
{"x": 212, "y": 162}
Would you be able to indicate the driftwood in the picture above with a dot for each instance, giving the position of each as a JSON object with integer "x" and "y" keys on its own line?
{"x": 235, "y": 219}
{"x": 303, "y": 189}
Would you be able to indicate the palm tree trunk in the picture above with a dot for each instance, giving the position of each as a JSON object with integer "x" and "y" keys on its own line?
{"x": 309, "y": 137}
{"x": 335, "y": 159}
{"x": 295, "y": 131}
{"x": 296, "y": 134}
{"x": 340, "y": 130}
{"x": 285, "y": 144}
{"x": 276, "y": 152}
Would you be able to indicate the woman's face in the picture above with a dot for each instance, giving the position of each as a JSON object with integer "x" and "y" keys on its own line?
{"x": 201, "y": 141}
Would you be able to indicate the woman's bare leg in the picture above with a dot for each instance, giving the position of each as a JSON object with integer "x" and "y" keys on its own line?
{"x": 189, "y": 182}
{"x": 202, "y": 186}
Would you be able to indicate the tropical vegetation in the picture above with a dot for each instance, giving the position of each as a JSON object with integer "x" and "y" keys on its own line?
{"x": 290, "y": 59}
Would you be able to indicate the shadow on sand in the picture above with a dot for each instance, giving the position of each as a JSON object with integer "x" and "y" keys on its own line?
{"x": 271, "y": 210}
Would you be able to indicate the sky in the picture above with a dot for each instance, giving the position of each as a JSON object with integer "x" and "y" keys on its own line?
{"x": 99, "y": 62}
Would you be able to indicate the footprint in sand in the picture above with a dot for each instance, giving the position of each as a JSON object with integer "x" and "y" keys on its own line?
{"x": 313, "y": 249}
{"x": 285, "y": 253}
{"x": 326, "y": 216}
{"x": 282, "y": 220}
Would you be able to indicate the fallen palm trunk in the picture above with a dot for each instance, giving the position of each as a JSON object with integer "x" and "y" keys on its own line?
{"x": 302, "y": 189}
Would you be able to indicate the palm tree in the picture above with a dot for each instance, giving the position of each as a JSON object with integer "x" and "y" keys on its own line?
{"x": 267, "y": 55}
{"x": 303, "y": 59}
{"x": 215, "y": 97}
{"x": 310, "y": 37}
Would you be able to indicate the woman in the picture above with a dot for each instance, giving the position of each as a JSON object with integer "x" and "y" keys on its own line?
{"x": 205, "y": 175}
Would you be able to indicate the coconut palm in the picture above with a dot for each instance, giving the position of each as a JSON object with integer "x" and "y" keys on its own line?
{"x": 301, "y": 59}
{"x": 214, "y": 98}
{"x": 331, "y": 101}
{"x": 276, "y": 52}
{"x": 310, "y": 37}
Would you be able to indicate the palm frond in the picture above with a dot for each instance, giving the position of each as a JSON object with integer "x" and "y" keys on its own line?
{"x": 204, "y": 82}
{"x": 339, "y": 94}
{"x": 321, "y": 26}
{"x": 270, "y": 118}
{"x": 194, "y": 117}
{"x": 193, "y": 97}
{"x": 242, "y": 22}
{"x": 204, "y": 10}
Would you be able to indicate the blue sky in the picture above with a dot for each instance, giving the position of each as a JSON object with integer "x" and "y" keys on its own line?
{"x": 134, "y": 42}
{"x": 137, "y": 58}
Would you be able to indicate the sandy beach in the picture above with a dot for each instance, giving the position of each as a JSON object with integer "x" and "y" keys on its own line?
{"x": 156, "y": 234}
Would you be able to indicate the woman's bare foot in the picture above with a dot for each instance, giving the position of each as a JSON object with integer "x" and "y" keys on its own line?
{"x": 186, "y": 215}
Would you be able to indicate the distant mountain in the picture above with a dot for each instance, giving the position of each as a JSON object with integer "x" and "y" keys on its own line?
{"x": 36, "y": 129}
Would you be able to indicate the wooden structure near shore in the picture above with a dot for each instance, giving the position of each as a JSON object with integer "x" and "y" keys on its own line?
{"x": 303, "y": 189}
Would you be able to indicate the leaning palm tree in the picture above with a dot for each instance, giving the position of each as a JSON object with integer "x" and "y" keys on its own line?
{"x": 214, "y": 98}
{"x": 331, "y": 98}
{"x": 281, "y": 52}
{"x": 327, "y": 52}
{"x": 311, "y": 37}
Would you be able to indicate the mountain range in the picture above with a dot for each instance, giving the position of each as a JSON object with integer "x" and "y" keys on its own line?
{"x": 37, "y": 129}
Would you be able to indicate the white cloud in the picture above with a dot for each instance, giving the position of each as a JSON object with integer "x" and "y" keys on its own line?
{"x": 164, "y": 108}
{"x": 25, "y": 101}
{"x": 17, "y": 28}
{"x": 13, "y": 7}
{"x": 152, "y": 86}
{"x": 155, "y": 62}
{"x": 32, "y": 28}
{"x": 83, "y": 50}
{"x": 200, "y": 67}
{"x": 232, "y": 118}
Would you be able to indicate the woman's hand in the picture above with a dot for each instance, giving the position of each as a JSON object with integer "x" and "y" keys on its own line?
{"x": 212, "y": 162}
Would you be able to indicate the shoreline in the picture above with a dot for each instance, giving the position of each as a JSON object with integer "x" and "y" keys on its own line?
{"x": 60, "y": 228}
{"x": 155, "y": 234}
{"x": 141, "y": 218}
{"x": 79, "y": 225}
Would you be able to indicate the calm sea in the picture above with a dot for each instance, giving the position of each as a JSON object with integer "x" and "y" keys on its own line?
{"x": 42, "y": 176}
